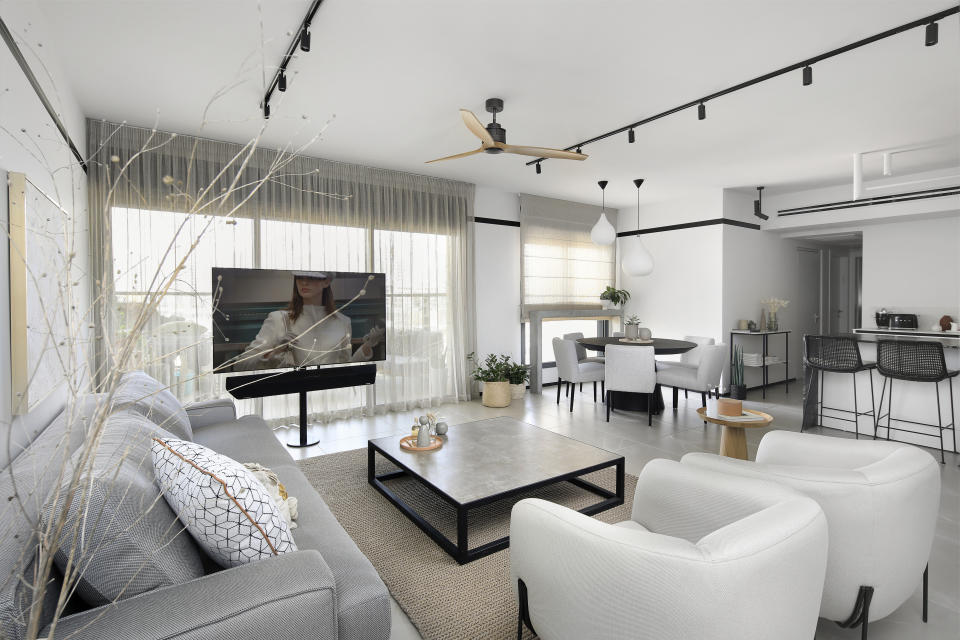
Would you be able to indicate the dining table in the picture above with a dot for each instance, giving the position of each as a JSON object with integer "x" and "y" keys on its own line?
{"x": 662, "y": 347}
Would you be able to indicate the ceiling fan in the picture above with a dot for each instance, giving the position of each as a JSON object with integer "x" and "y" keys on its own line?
{"x": 493, "y": 138}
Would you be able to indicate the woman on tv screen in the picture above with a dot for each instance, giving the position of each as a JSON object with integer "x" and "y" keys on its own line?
{"x": 310, "y": 331}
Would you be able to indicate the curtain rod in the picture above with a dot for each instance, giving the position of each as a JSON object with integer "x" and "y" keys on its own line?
{"x": 767, "y": 76}
{"x": 32, "y": 79}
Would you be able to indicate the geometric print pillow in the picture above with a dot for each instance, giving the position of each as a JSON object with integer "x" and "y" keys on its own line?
{"x": 224, "y": 507}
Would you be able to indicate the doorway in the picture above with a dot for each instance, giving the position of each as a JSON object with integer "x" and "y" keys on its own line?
{"x": 831, "y": 276}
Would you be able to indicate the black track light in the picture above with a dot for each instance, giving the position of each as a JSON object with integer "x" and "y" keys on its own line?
{"x": 631, "y": 136}
{"x": 578, "y": 150}
{"x": 266, "y": 110}
{"x": 282, "y": 82}
{"x": 758, "y": 205}
{"x": 637, "y": 182}
{"x": 538, "y": 168}
{"x": 305, "y": 40}
{"x": 932, "y": 38}
{"x": 807, "y": 76}
{"x": 702, "y": 112}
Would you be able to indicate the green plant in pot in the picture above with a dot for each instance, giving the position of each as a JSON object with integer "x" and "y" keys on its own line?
{"x": 738, "y": 389}
{"x": 632, "y": 327}
{"x": 518, "y": 375}
{"x": 493, "y": 372}
{"x": 614, "y": 296}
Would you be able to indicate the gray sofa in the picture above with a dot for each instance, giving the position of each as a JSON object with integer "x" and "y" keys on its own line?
{"x": 326, "y": 589}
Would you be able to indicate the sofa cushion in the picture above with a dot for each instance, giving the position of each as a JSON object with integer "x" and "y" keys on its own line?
{"x": 363, "y": 601}
{"x": 224, "y": 507}
{"x": 123, "y": 536}
{"x": 247, "y": 439}
{"x": 141, "y": 393}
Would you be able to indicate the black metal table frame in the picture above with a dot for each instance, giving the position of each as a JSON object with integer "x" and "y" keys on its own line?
{"x": 459, "y": 550}
{"x": 764, "y": 367}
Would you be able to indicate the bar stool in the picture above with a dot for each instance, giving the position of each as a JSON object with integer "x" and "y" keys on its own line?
{"x": 838, "y": 355}
{"x": 915, "y": 361}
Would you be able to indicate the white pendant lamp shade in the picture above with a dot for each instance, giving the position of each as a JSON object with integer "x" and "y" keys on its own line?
{"x": 603, "y": 232}
{"x": 636, "y": 261}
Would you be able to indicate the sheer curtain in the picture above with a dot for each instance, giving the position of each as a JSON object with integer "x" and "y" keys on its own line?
{"x": 560, "y": 265}
{"x": 150, "y": 205}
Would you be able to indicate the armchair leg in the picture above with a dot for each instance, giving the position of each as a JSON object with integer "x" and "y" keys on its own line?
{"x": 523, "y": 615}
{"x": 676, "y": 395}
{"x": 609, "y": 402}
{"x": 861, "y": 612}
{"x": 603, "y": 389}
{"x": 594, "y": 390}
{"x": 926, "y": 570}
{"x": 649, "y": 410}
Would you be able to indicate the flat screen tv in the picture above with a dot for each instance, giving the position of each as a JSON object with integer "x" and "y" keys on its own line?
{"x": 283, "y": 319}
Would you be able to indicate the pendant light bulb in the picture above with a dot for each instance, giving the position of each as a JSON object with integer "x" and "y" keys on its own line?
{"x": 637, "y": 260}
{"x": 603, "y": 232}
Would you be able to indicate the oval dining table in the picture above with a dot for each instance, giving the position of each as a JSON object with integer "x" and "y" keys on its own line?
{"x": 661, "y": 347}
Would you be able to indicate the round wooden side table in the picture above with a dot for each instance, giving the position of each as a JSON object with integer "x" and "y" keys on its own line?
{"x": 733, "y": 439}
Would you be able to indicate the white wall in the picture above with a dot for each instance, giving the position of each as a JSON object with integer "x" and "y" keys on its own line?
{"x": 31, "y": 144}
{"x": 912, "y": 267}
{"x": 497, "y": 273}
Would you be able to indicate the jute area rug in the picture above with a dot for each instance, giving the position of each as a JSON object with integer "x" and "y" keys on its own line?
{"x": 444, "y": 600}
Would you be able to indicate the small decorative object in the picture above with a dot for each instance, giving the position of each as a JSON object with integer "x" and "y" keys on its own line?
{"x": 744, "y": 325}
{"x": 738, "y": 390}
{"x": 945, "y": 322}
{"x": 729, "y": 407}
{"x": 493, "y": 372}
{"x": 763, "y": 320}
{"x": 632, "y": 327}
{"x": 615, "y": 297}
{"x": 423, "y": 436}
{"x": 409, "y": 443}
{"x": 773, "y": 305}
{"x": 751, "y": 326}
{"x": 442, "y": 428}
{"x": 645, "y": 334}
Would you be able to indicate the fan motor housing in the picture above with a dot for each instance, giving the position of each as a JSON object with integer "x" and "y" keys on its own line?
{"x": 499, "y": 134}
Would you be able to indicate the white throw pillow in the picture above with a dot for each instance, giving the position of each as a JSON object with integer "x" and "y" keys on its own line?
{"x": 224, "y": 507}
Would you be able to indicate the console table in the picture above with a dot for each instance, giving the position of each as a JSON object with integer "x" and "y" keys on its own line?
{"x": 765, "y": 366}
{"x": 536, "y": 335}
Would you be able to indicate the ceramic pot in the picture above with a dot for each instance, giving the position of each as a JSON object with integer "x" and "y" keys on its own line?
{"x": 496, "y": 394}
{"x": 632, "y": 331}
{"x": 738, "y": 391}
{"x": 644, "y": 333}
{"x": 517, "y": 391}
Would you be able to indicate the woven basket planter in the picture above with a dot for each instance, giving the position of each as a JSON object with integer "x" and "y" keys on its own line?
{"x": 496, "y": 394}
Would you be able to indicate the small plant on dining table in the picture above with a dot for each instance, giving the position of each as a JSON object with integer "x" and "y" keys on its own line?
{"x": 632, "y": 320}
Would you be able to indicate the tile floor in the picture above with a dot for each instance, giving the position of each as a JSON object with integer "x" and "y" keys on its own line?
{"x": 672, "y": 435}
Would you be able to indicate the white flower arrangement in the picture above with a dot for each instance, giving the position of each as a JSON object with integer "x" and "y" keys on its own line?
{"x": 774, "y": 304}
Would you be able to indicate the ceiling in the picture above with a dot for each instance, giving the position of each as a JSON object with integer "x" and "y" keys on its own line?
{"x": 392, "y": 75}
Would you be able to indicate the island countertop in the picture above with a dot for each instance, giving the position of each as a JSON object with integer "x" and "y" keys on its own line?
{"x": 946, "y": 338}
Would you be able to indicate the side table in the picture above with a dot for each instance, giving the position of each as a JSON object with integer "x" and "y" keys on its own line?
{"x": 733, "y": 439}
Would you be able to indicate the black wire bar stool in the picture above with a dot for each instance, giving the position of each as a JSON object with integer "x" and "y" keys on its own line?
{"x": 915, "y": 361}
{"x": 830, "y": 354}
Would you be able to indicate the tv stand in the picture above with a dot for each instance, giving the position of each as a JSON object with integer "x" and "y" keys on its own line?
{"x": 302, "y": 381}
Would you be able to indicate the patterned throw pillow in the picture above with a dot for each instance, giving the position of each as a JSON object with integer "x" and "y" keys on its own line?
{"x": 224, "y": 507}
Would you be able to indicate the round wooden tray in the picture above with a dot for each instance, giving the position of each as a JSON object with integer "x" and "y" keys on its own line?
{"x": 637, "y": 340}
{"x": 409, "y": 443}
{"x": 765, "y": 421}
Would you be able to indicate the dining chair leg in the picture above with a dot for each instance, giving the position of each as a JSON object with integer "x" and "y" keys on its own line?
{"x": 559, "y": 384}
{"x": 581, "y": 386}
{"x": 649, "y": 410}
{"x": 703, "y": 399}
{"x": 572, "y": 394}
{"x": 567, "y": 391}
{"x": 608, "y": 406}
{"x": 685, "y": 396}
{"x": 603, "y": 389}
{"x": 676, "y": 396}
{"x": 594, "y": 390}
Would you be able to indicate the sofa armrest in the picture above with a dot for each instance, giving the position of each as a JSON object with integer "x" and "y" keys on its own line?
{"x": 210, "y": 412}
{"x": 290, "y": 596}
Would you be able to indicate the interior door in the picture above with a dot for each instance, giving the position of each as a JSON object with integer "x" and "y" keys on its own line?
{"x": 808, "y": 306}
{"x": 839, "y": 292}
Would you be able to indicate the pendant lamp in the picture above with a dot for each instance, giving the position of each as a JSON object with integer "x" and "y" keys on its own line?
{"x": 636, "y": 261}
{"x": 603, "y": 232}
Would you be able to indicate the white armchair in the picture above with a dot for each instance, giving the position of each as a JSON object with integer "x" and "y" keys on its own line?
{"x": 632, "y": 370}
{"x": 705, "y": 556}
{"x": 704, "y": 378}
{"x": 571, "y": 370}
{"x": 881, "y": 500}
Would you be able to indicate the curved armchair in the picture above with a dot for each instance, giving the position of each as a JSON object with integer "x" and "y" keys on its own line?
{"x": 881, "y": 500}
{"x": 705, "y": 555}
{"x": 703, "y": 378}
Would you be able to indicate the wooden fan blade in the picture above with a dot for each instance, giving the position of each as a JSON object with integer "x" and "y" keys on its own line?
{"x": 543, "y": 152}
{"x": 476, "y": 127}
{"x": 459, "y": 155}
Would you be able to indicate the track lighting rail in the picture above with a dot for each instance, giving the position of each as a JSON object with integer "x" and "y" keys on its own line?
{"x": 922, "y": 22}
{"x": 301, "y": 39}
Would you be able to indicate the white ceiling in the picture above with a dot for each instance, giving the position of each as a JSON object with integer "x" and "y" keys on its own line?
{"x": 394, "y": 74}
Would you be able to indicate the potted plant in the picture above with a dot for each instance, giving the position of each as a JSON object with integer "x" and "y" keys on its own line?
{"x": 492, "y": 372}
{"x": 738, "y": 390}
{"x": 518, "y": 374}
{"x": 632, "y": 327}
{"x": 615, "y": 297}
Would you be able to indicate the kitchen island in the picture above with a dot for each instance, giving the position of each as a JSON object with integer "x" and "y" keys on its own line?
{"x": 915, "y": 401}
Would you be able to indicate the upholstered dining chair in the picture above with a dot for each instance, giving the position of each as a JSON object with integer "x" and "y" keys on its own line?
{"x": 689, "y": 359}
{"x": 881, "y": 500}
{"x": 703, "y": 378}
{"x": 581, "y": 353}
{"x": 630, "y": 369}
{"x": 705, "y": 555}
{"x": 572, "y": 371}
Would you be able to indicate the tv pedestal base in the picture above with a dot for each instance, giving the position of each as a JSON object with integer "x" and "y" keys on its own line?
{"x": 303, "y": 439}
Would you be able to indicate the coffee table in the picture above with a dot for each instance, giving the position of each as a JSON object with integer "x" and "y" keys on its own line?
{"x": 488, "y": 460}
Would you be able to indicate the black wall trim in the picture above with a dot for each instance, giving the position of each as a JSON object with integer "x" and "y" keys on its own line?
{"x": 866, "y": 202}
{"x": 505, "y": 223}
{"x": 32, "y": 79}
{"x": 690, "y": 225}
